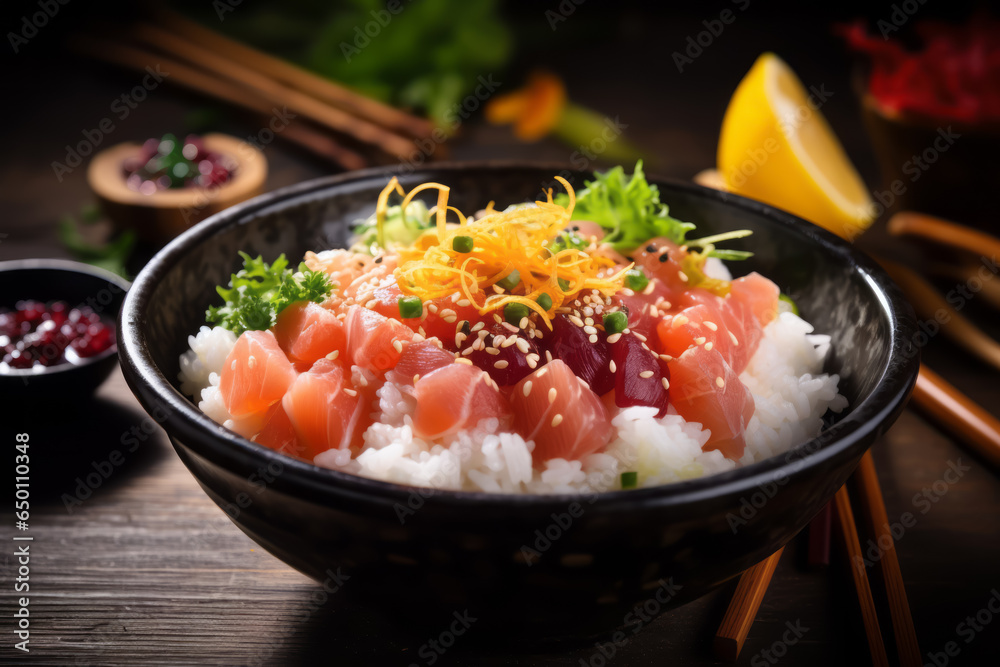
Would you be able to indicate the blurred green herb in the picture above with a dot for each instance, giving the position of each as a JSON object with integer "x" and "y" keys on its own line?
{"x": 111, "y": 256}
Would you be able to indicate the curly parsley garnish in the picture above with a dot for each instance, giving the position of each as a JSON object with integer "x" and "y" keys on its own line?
{"x": 259, "y": 291}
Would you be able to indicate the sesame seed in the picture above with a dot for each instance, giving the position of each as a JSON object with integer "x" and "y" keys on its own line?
{"x": 511, "y": 340}
{"x": 397, "y": 345}
{"x": 371, "y": 303}
{"x": 700, "y": 340}
{"x": 450, "y": 319}
{"x": 732, "y": 337}
{"x": 613, "y": 338}
{"x": 463, "y": 360}
{"x": 532, "y": 360}
{"x": 464, "y": 303}
{"x": 523, "y": 324}
{"x": 492, "y": 351}
{"x": 720, "y": 383}
{"x": 459, "y": 339}
{"x": 478, "y": 325}
{"x": 626, "y": 330}
{"x": 510, "y": 327}
{"x": 548, "y": 356}
{"x": 557, "y": 420}
{"x": 593, "y": 338}
{"x": 362, "y": 380}
{"x": 542, "y": 372}
{"x": 455, "y": 296}
{"x": 469, "y": 350}
{"x": 448, "y": 312}
{"x": 497, "y": 318}
{"x": 612, "y": 367}
{"x": 679, "y": 321}
{"x": 589, "y": 329}
{"x": 708, "y": 345}
{"x": 333, "y": 355}
{"x": 252, "y": 361}
{"x": 683, "y": 276}
{"x": 350, "y": 392}
{"x": 500, "y": 365}
{"x": 432, "y": 307}
{"x": 526, "y": 389}
{"x": 649, "y": 288}
{"x": 576, "y": 320}
{"x": 522, "y": 345}
{"x": 640, "y": 336}
{"x": 666, "y": 383}
{"x": 498, "y": 340}
{"x": 552, "y": 395}
{"x": 483, "y": 334}
{"x": 711, "y": 325}
{"x": 645, "y": 375}
{"x": 416, "y": 378}
{"x": 420, "y": 330}
{"x": 417, "y": 338}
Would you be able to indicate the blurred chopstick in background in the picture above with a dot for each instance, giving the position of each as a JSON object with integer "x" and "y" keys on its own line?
{"x": 960, "y": 415}
{"x": 332, "y": 121}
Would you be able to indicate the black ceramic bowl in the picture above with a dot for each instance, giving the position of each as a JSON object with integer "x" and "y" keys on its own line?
{"x": 76, "y": 284}
{"x": 419, "y": 552}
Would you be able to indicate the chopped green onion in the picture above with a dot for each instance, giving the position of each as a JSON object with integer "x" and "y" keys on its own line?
{"x": 462, "y": 244}
{"x": 545, "y": 301}
{"x": 563, "y": 284}
{"x": 630, "y": 480}
{"x": 636, "y": 280}
{"x": 615, "y": 322}
{"x": 515, "y": 312}
{"x": 410, "y": 307}
{"x": 791, "y": 304}
{"x": 511, "y": 281}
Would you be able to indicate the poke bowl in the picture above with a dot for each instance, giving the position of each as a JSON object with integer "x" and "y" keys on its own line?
{"x": 554, "y": 559}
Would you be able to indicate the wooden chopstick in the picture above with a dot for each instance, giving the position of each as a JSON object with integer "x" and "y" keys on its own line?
{"x": 742, "y": 611}
{"x": 877, "y": 520}
{"x": 968, "y": 273}
{"x": 908, "y": 223}
{"x": 194, "y": 79}
{"x": 855, "y": 556}
{"x": 931, "y": 306}
{"x": 820, "y": 529}
{"x": 294, "y": 76}
{"x": 958, "y": 413}
{"x": 275, "y": 92}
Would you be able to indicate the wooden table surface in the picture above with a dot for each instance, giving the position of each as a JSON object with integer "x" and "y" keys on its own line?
{"x": 147, "y": 570}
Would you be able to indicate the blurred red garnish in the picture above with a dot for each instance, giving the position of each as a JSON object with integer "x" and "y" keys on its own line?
{"x": 954, "y": 76}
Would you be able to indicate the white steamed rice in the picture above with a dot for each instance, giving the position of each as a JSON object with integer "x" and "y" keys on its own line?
{"x": 790, "y": 393}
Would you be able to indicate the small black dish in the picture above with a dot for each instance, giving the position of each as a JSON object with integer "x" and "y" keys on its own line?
{"x": 75, "y": 283}
{"x": 532, "y": 567}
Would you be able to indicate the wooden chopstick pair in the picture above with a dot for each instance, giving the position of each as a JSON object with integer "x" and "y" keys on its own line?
{"x": 740, "y": 614}
{"x": 211, "y": 64}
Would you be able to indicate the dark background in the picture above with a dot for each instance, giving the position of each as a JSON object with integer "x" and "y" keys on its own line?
{"x": 149, "y": 571}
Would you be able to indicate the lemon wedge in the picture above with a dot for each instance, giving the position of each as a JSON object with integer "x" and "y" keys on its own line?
{"x": 776, "y": 146}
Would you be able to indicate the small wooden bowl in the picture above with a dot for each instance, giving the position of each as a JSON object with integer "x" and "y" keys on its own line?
{"x": 159, "y": 217}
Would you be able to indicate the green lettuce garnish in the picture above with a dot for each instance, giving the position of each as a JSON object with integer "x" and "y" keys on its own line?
{"x": 397, "y": 228}
{"x": 629, "y": 210}
{"x": 259, "y": 291}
